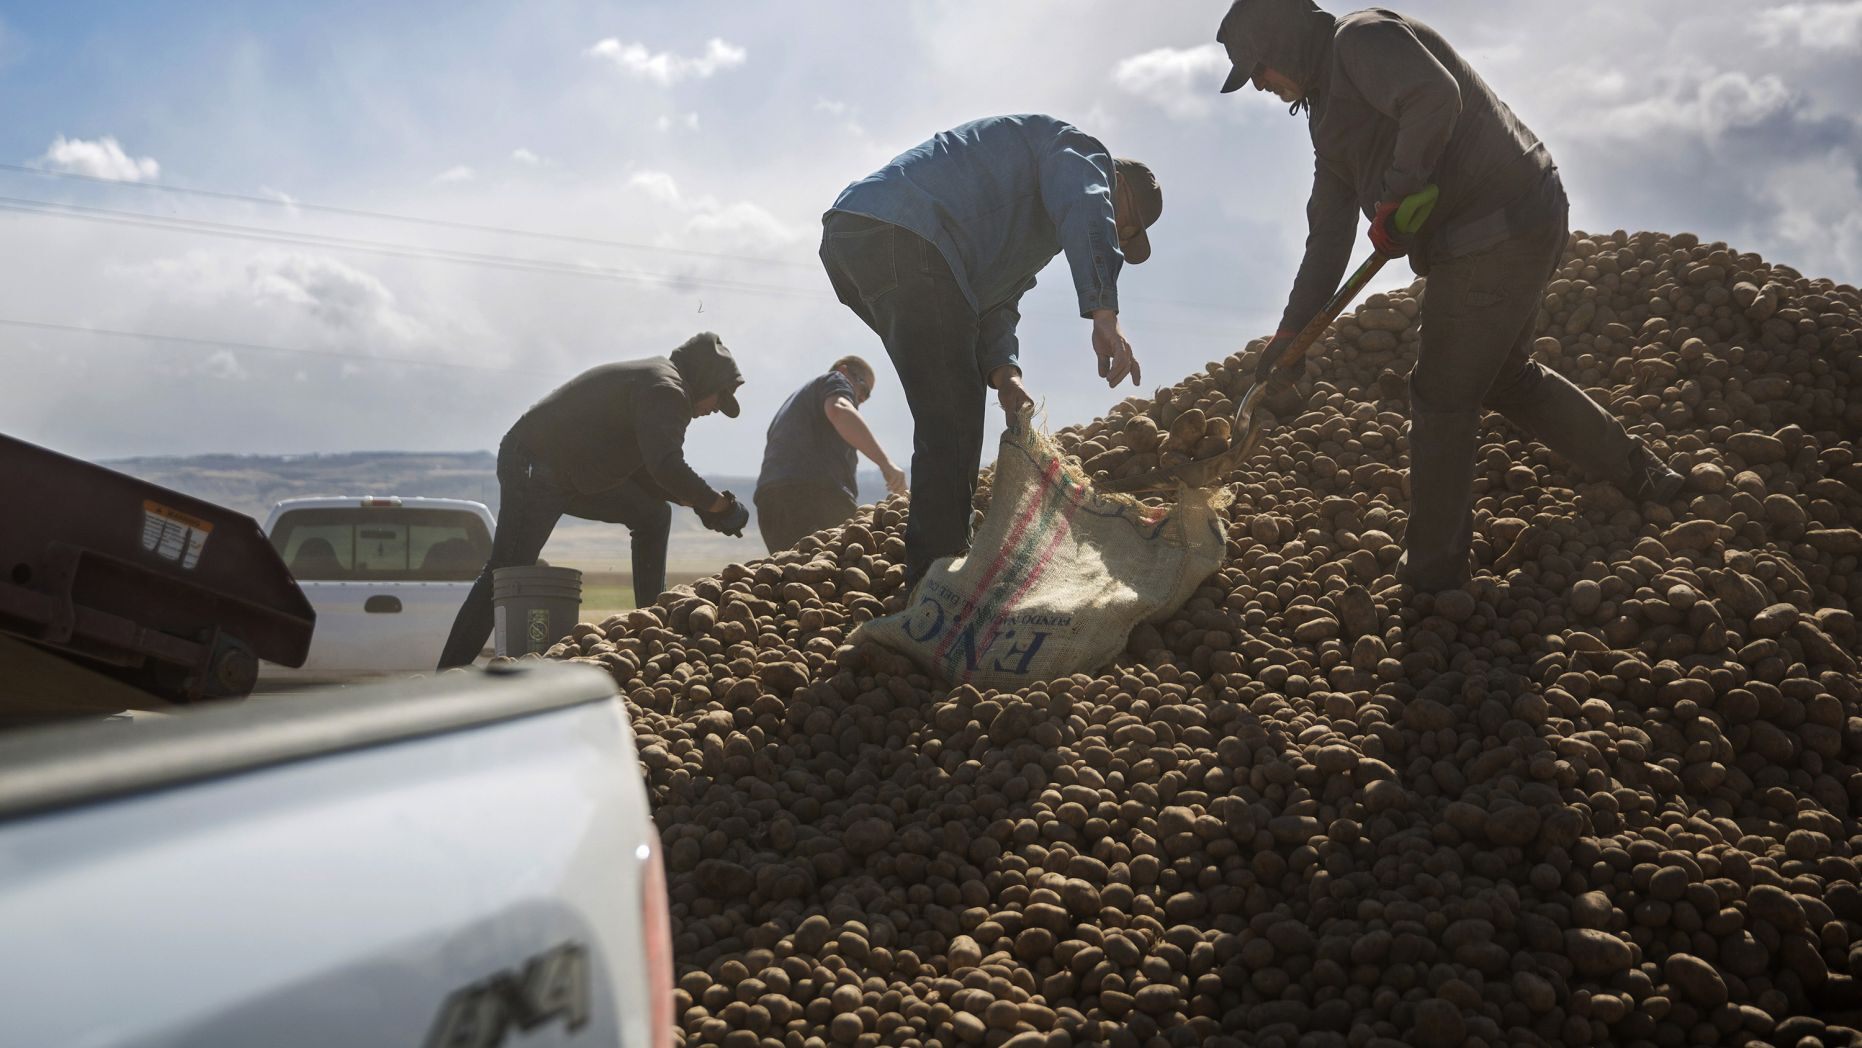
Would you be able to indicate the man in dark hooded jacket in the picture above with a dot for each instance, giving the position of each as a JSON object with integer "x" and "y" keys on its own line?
{"x": 607, "y": 445}
{"x": 1392, "y": 109}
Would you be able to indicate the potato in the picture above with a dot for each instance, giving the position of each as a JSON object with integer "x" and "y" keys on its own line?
{"x": 1601, "y": 795}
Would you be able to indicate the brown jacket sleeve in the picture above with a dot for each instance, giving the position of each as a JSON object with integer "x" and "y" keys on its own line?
{"x": 1331, "y": 224}
{"x": 1400, "y": 79}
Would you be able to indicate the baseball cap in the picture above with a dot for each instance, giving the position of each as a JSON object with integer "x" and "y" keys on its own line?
{"x": 1244, "y": 48}
{"x": 1149, "y": 196}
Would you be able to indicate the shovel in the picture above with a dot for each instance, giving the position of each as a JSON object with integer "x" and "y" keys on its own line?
{"x": 1246, "y": 428}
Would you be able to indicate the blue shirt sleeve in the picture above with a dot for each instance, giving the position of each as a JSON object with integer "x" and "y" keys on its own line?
{"x": 995, "y": 334}
{"x": 1076, "y": 190}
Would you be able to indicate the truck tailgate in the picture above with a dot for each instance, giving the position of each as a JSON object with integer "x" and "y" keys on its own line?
{"x": 376, "y": 627}
{"x": 427, "y": 862}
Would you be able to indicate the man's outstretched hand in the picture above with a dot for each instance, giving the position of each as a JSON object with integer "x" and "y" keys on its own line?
{"x": 1010, "y": 392}
{"x": 1116, "y": 360}
{"x": 896, "y": 483}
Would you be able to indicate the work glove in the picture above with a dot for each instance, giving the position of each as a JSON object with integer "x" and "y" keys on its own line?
{"x": 1264, "y": 367}
{"x": 731, "y": 520}
{"x": 1395, "y": 221}
{"x": 1384, "y": 235}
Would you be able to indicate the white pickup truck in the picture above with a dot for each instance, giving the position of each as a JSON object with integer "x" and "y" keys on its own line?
{"x": 460, "y": 861}
{"x": 386, "y": 575}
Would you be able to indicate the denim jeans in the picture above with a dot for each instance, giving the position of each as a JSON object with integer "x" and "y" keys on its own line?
{"x": 530, "y": 502}
{"x": 787, "y": 512}
{"x": 899, "y": 283}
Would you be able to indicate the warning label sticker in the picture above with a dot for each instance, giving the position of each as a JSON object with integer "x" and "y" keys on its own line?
{"x": 174, "y": 535}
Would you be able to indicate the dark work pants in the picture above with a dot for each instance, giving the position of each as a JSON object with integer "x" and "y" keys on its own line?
{"x": 1479, "y": 321}
{"x": 787, "y": 512}
{"x": 899, "y": 283}
{"x": 529, "y": 504}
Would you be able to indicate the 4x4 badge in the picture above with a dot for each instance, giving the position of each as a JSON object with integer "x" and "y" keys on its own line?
{"x": 552, "y": 985}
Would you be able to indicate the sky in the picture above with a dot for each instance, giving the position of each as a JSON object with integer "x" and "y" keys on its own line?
{"x": 679, "y": 156}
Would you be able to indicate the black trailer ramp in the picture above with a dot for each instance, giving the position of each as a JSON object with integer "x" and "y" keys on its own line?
{"x": 174, "y": 595}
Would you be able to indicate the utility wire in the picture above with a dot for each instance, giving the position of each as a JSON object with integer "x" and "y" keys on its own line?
{"x": 388, "y": 216}
{"x": 216, "y": 343}
{"x": 441, "y": 223}
{"x": 205, "y": 227}
{"x": 520, "y": 264}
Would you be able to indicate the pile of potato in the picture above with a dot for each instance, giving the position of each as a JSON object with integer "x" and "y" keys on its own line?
{"x": 1602, "y": 795}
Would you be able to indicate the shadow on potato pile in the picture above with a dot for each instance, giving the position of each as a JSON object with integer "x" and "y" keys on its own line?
{"x": 1602, "y": 796}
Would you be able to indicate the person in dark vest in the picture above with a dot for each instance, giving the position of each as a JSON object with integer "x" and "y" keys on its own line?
{"x": 807, "y": 482}
{"x": 607, "y": 445}
{"x": 1393, "y": 109}
{"x": 934, "y": 252}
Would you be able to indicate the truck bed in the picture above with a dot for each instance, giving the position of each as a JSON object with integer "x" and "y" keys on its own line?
{"x": 424, "y": 862}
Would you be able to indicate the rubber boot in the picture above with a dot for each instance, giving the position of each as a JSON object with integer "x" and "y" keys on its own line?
{"x": 1648, "y": 478}
{"x": 1565, "y": 419}
{"x": 1441, "y": 491}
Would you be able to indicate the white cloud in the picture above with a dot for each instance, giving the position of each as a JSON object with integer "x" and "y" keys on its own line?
{"x": 736, "y": 226}
{"x": 1819, "y": 208}
{"x": 742, "y": 224}
{"x": 101, "y": 158}
{"x": 1688, "y": 101}
{"x": 667, "y": 122}
{"x": 337, "y": 295}
{"x": 1822, "y": 27}
{"x": 223, "y": 364}
{"x": 341, "y": 302}
{"x": 459, "y": 173}
{"x": 657, "y": 184}
{"x": 1183, "y": 82}
{"x": 1777, "y": 188}
{"x": 527, "y": 158}
{"x": 848, "y": 115}
{"x": 665, "y": 68}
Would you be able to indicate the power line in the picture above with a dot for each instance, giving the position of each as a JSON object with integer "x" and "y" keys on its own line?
{"x": 391, "y": 249}
{"x": 442, "y": 223}
{"x": 388, "y": 216}
{"x": 257, "y": 347}
{"x": 519, "y": 264}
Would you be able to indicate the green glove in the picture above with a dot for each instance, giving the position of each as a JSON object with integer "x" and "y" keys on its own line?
{"x": 1397, "y": 220}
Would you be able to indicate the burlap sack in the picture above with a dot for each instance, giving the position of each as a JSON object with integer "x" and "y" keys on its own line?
{"x": 1056, "y": 577}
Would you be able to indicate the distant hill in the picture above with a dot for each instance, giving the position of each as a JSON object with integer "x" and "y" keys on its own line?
{"x": 252, "y": 484}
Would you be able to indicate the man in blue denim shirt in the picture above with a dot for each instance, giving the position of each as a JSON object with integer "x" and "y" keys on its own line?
{"x": 935, "y": 250}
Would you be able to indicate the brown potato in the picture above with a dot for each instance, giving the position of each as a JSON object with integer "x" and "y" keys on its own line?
{"x": 1603, "y": 794}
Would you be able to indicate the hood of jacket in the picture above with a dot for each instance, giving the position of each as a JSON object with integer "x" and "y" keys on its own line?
{"x": 706, "y": 367}
{"x": 1290, "y": 36}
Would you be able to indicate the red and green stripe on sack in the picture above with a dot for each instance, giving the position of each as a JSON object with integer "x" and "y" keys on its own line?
{"x": 1018, "y": 565}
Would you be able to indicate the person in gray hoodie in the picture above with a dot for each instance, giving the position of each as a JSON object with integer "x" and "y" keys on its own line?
{"x": 1393, "y": 109}
{"x": 607, "y": 445}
